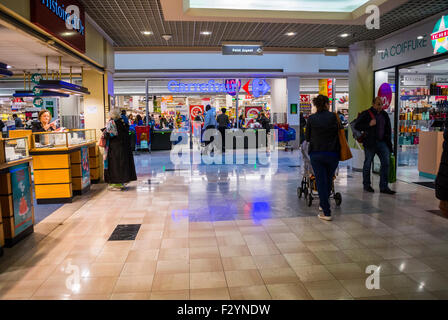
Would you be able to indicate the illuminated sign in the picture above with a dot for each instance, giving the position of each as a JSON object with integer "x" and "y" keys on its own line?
{"x": 439, "y": 37}
{"x": 242, "y": 50}
{"x": 210, "y": 87}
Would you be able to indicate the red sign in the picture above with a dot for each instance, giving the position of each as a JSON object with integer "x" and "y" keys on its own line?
{"x": 246, "y": 87}
{"x": 330, "y": 88}
{"x": 304, "y": 98}
{"x": 64, "y": 19}
{"x": 438, "y": 35}
{"x": 194, "y": 110}
{"x": 252, "y": 112}
{"x": 248, "y": 97}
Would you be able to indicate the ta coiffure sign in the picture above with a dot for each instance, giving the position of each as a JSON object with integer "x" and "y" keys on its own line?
{"x": 425, "y": 40}
{"x": 65, "y": 19}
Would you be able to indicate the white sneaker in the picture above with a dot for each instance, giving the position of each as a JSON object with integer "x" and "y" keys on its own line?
{"x": 324, "y": 217}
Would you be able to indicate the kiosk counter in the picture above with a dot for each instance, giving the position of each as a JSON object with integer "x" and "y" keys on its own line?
{"x": 65, "y": 164}
{"x": 16, "y": 194}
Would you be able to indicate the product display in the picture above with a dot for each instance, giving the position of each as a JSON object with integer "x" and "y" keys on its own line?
{"x": 13, "y": 149}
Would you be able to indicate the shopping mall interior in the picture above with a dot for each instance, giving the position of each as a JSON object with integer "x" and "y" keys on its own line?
{"x": 110, "y": 188}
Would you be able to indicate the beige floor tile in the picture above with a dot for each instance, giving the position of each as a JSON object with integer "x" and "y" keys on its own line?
{"x": 144, "y": 255}
{"x": 410, "y": 265}
{"x": 146, "y": 244}
{"x": 238, "y": 263}
{"x": 202, "y": 280}
{"x": 103, "y": 270}
{"x": 259, "y": 238}
{"x": 174, "y": 254}
{"x": 321, "y": 245}
{"x": 19, "y": 289}
{"x": 205, "y": 265}
{"x": 292, "y": 247}
{"x": 389, "y": 297}
{"x": 202, "y": 242}
{"x": 332, "y": 257}
{"x": 391, "y": 253}
{"x": 362, "y": 254}
{"x": 347, "y": 243}
{"x": 358, "y": 289}
{"x": 139, "y": 268}
{"x": 400, "y": 283}
{"x": 415, "y": 296}
{"x": 327, "y": 290}
{"x": 33, "y": 273}
{"x": 271, "y": 262}
{"x": 111, "y": 257}
{"x": 54, "y": 287}
{"x": 277, "y": 229}
{"x": 310, "y": 236}
{"x": 130, "y": 296}
{"x": 202, "y": 234}
{"x": 263, "y": 249}
{"x": 294, "y": 291}
{"x": 441, "y": 295}
{"x": 346, "y": 271}
{"x": 173, "y": 281}
{"x": 250, "y": 293}
{"x": 148, "y": 235}
{"x": 373, "y": 241}
{"x": 204, "y": 253}
{"x": 243, "y": 278}
{"x": 301, "y": 259}
{"x": 279, "y": 275}
{"x": 386, "y": 268}
{"x": 170, "y": 295}
{"x": 210, "y": 294}
{"x": 251, "y": 229}
{"x": 196, "y": 226}
{"x": 174, "y": 243}
{"x": 134, "y": 283}
{"x": 100, "y": 285}
{"x": 416, "y": 251}
{"x": 234, "y": 251}
{"x": 173, "y": 266}
{"x": 313, "y": 273}
{"x": 105, "y": 296}
{"x": 430, "y": 281}
{"x": 436, "y": 263}
{"x": 227, "y": 240}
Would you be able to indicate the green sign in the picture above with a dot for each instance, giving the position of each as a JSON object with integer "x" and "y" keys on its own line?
{"x": 36, "y": 77}
{"x": 38, "y": 102}
{"x": 37, "y": 92}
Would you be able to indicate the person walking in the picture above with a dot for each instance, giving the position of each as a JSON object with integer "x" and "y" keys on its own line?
{"x": 324, "y": 149}
{"x": 119, "y": 167}
{"x": 375, "y": 123}
{"x": 124, "y": 117}
{"x": 223, "y": 124}
{"x": 442, "y": 175}
{"x": 17, "y": 121}
{"x": 209, "y": 122}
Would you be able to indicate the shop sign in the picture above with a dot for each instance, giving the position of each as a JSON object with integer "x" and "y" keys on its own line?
{"x": 242, "y": 50}
{"x": 23, "y": 212}
{"x": 85, "y": 167}
{"x": 260, "y": 87}
{"x": 326, "y": 88}
{"x": 210, "y": 87}
{"x": 442, "y": 79}
{"x": 414, "y": 80}
{"x": 36, "y": 77}
{"x": 38, "y": 102}
{"x": 64, "y": 19}
{"x": 194, "y": 111}
{"x": 305, "y": 102}
{"x": 167, "y": 98}
{"x": 37, "y": 92}
{"x": 330, "y": 89}
{"x": 385, "y": 93}
{"x": 439, "y": 37}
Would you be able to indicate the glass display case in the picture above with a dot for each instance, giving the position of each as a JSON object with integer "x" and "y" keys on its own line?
{"x": 64, "y": 139}
{"x": 13, "y": 149}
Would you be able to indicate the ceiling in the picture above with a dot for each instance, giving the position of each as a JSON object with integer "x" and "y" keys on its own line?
{"x": 124, "y": 21}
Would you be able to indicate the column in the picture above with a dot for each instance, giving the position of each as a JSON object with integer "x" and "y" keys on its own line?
{"x": 279, "y": 101}
{"x": 360, "y": 89}
{"x": 96, "y": 105}
{"x": 293, "y": 87}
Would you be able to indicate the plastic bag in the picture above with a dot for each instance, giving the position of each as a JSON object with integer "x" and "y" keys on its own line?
{"x": 392, "y": 173}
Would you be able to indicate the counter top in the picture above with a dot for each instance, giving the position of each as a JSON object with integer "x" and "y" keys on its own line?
{"x": 15, "y": 163}
{"x": 64, "y": 149}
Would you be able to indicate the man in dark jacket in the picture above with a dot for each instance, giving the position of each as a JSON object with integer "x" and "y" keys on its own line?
{"x": 442, "y": 175}
{"x": 223, "y": 123}
{"x": 375, "y": 123}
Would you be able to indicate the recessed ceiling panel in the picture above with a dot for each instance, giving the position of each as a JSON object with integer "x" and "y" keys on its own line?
{"x": 281, "y": 5}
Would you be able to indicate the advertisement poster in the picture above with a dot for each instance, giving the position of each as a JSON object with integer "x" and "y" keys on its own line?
{"x": 252, "y": 114}
{"x": 85, "y": 167}
{"x": 385, "y": 93}
{"x": 305, "y": 103}
{"x": 20, "y": 181}
{"x": 194, "y": 110}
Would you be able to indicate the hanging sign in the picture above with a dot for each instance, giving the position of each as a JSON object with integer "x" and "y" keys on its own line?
{"x": 439, "y": 37}
{"x": 36, "y": 77}
{"x": 38, "y": 102}
{"x": 37, "y": 92}
{"x": 323, "y": 88}
{"x": 414, "y": 80}
{"x": 385, "y": 93}
{"x": 305, "y": 103}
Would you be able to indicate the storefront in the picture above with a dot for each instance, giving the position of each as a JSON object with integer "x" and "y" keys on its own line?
{"x": 411, "y": 76}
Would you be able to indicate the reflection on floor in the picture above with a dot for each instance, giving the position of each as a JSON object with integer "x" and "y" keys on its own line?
{"x": 232, "y": 232}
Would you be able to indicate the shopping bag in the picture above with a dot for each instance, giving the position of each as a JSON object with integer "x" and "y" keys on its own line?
{"x": 392, "y": 173}
{"x": 345, "y": 152}
{"x": 102, "y": 142}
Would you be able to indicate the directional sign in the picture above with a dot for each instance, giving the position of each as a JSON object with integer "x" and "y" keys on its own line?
{"x": 38, "y": 102}
{"x": 37, "y": 92}
{"x": 246, "y": 88}
{"x": 36, "y": 77}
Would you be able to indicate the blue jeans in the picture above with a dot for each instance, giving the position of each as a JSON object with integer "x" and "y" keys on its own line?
{"x": 383, "y": 153}
{"x": 324, "y": 167}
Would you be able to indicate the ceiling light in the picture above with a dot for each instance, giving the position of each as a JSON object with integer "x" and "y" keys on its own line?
{"x": 420, "y": 37}
{"x": 428, "y": 65}
{"x": 147, "y": 33}
{"x": 167, "y": 37}
{"x": 332, "y": 49}
{"x": 8, "y": 67}
{"x": 206, "y": 33}
{"x": 344, "y": 35}
{"x": 381, "y": 51}
{"x": 290, "y": 34}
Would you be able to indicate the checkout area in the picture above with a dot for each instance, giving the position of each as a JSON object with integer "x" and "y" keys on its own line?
{"x": 61, "y": 164}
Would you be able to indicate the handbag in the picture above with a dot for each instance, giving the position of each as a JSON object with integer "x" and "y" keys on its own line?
{"x": 345, "y": 152}
{"x": 392, "y": 173}
{"x": 102, "y": 143}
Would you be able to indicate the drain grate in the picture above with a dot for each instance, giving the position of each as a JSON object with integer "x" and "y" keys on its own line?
{"x": 430, "y": 184}
{"x": 125, "y": 232}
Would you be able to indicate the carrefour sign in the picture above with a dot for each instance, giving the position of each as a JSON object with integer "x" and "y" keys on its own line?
{"x": 439, "y": 37}
{"x": 209, "y": 87}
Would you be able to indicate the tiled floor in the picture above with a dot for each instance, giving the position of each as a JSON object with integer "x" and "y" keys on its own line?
{"x": 232, "y": 232}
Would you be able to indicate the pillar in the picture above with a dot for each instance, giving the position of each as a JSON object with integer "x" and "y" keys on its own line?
{"x": 360, "y": 89}
{"x": 69, "y": 112}
{"x": 293, "y": 88}
{"x": 279, "y": 101}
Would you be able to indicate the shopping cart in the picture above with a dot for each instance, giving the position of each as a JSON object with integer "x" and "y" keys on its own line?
{"x": 285, "y": 135}
{"x": 308, "y": 187}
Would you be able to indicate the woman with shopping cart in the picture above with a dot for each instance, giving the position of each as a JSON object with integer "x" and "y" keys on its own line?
{"x": 324, "y": 148}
